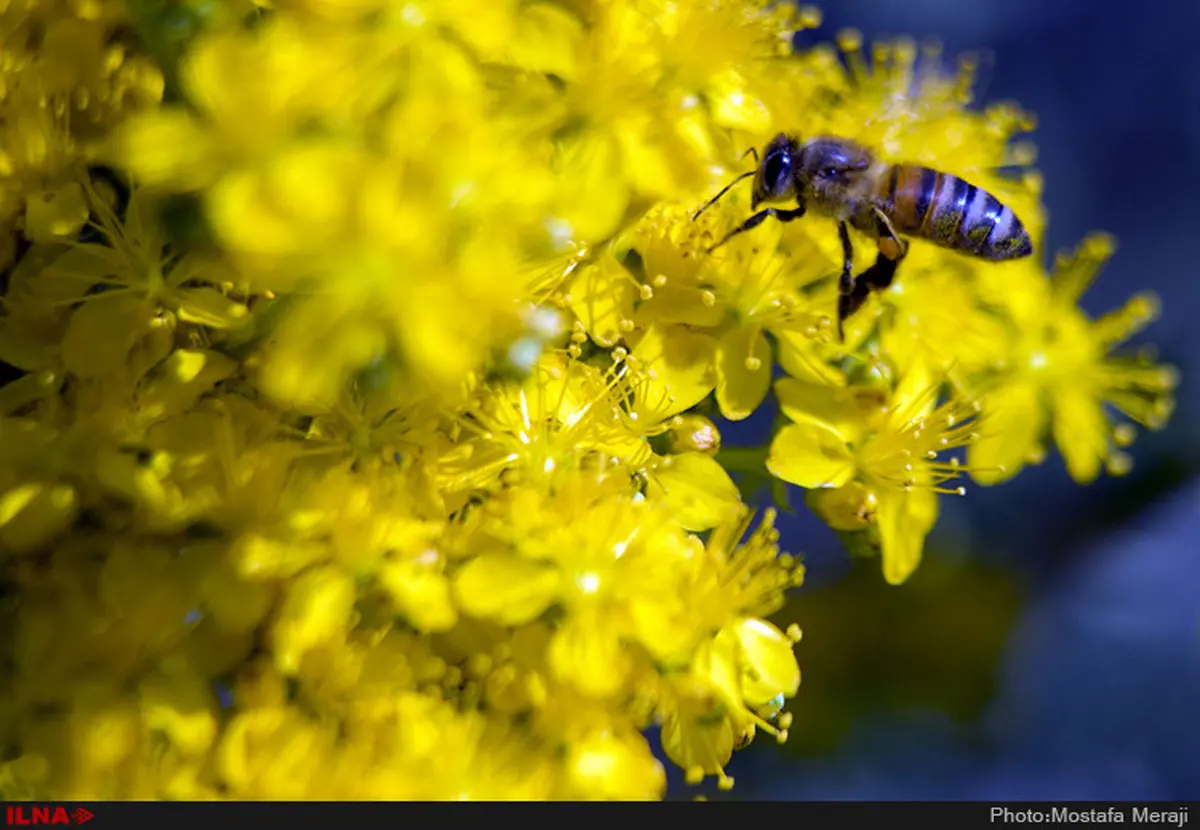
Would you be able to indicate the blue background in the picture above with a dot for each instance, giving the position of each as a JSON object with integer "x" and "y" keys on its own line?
{"x": 1049, "y": 645}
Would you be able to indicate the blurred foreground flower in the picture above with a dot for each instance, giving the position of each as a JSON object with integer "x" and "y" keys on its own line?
{"x": 361, "y": 438}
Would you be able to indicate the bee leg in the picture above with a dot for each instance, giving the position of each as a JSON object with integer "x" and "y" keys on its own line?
{"x": 891, "y": 252}
{"x": 890, "y": 244}
{"x": 852, "y": 300}
{"x": 782, "y": 214}
{"x": 879, "y": 276}
{"x": 876, "y": 278}
{"x": 846, "y": 282}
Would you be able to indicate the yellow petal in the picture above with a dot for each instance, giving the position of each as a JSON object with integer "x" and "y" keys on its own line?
{"x": 27, "y": 389}
{"x": 154, "y": 345}
{"x": 421, "y": 593}
{"x": 811, "y": 455}
{"x": 235, "y": 604}
{"x": 797, "y": 355}
{"x": 508, "y": 589}
{"x": 646, "y": 154}
{"x": 314, "y": 353}
{"x": 1010, "y": 431}
{"x": 33, "y": 514}
{"x": 55, "y": 214}
{"x": 316, "y": 608}
{"x": 208, "y": 307}
{"x": 306, "y": 182}
{"x": 66, "y": 275}
{"x": 242, "y": 214}
{"x": 632, "y": 449}
{"x": 103, "y": 731}
{"x": 604, "y": 766}
{"x": 679, "y": 370}
{"x": 716, "y": 665}
{"x": 182, "y": 708}
{"x": 743, "y": 372}
{"x": 769, "y": 662}
{"x": 271, "y": 753}
{"x": 164, "y": 147}
{"x": 1081, "y": 431}
{"x": 692, "y": 128}
{"x": 916, "y": 394}
{"x": 590, "y": 656}
{"x": 904, "y": 519}
{"x": 142, "y": 226}
{"x": 179, "y": 381}
{"x": 102, "y": 332}
{"x": 595, "y": 201}
{"x": 695, "y": 744}
{"x": 259, "y": 685}
{"x": 678, "y": 302}
{"x": 697, "y": 490}
{"x": 255, "y": 556}
{"x": 602, "y": 296}
{"x": 734, "y": 106}
{"x": 136, "y": 478}
{"x": 546, "y": 40}
{"x": 665, "y": 626}
{"x": 846, "y": 410}
{"x": 29, "y": 351}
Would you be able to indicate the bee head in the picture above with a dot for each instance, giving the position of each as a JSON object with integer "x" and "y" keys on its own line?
{"x": 775, "y": 179}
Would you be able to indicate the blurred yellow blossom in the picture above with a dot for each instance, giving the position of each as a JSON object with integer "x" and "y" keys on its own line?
{"x": 363, "y": 364}
{"x": 1059, "y": 365}
{"x": 68, "y": 73}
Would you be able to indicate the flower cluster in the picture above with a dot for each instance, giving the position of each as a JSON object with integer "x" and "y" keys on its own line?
{"x": 360, "y": 442}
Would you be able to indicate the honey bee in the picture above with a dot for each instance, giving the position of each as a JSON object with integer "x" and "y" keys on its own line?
{"x": 843, "y": 180}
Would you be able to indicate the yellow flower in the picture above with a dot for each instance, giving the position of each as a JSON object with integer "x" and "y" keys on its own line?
{"x": 417, "y": 747}
{"x": 703, "y": 323}
{"x": 757, "y": 284}
{"x": 599, "y": 552}
{"x": 711, "y": 710}
{"x": 639, "y": 132}
{"x": 883, "y": 445}
{"x": 563, "y": 412}
{"x": 568, "y": 412}
{"x": 716, "y": 705}
{"x": 181, "y": 706}
{"x": 607, "y": 767}
{"x": 331, "y": 192}
{"x": 935, "y": 317}
{"x": 67, "y": 78}
{"x": 1060, "y": 371}
{"x": 316, "y": 608}
{"x": 127, "y": 293}
{"x": 743, "y": 578}
{"x": 274, "y": 753}
{"x": 23, "y": 776}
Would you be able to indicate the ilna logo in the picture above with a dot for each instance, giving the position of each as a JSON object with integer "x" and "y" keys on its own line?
{"x": 21, "y": 814}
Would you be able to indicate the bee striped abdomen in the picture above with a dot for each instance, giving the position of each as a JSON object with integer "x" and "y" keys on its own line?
{"x": 953, "y": 213}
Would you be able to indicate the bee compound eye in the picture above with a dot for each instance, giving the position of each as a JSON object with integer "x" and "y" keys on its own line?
{"x": 772, "y": 171}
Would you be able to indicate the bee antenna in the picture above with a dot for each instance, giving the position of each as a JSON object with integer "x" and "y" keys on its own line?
{"x": 724, "y": 190}
{"x": 751, "y": 152}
